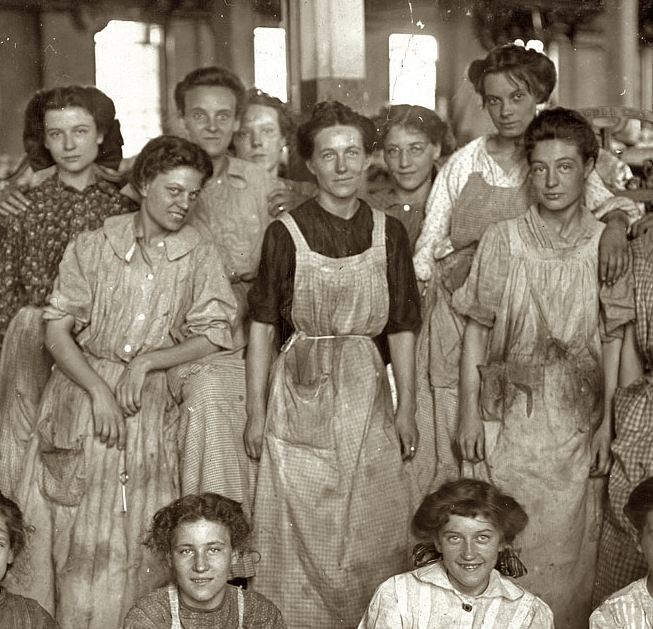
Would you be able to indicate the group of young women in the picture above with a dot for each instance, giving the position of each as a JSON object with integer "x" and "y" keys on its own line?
{"x": 507, "y": 333}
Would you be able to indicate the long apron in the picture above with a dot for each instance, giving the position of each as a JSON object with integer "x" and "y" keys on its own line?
{"x": 440, "y": 340}
{"x": 541, "y": 399}
{"x": 333, "y": 500}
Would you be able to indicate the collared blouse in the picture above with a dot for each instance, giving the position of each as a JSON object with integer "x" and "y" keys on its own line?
{"x": 629, "y": 608}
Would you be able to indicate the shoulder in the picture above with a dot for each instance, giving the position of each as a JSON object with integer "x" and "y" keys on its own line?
{"x": 465, "y": 155}
{"x": 27, "y": 606}
{"x": 619, "y": 603}
{"x": 262, "y": 608}
{"x": 153, "y": 607}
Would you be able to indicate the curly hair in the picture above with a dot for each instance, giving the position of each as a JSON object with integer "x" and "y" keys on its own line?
{"x": 469, "y": 498}
{"x": 562, "y": 124}
{"x": 88, "y": 98}
{"x": 165, "y": 153}
{"x": 285, "y": 116}
{"x": 640, "y": 504}
{"x": 194, "y": 507}
{"x": 330, "y": 114}
{"x": 13, "y": 518}
{"x": 212, "y": 76}
{"x": 419, "y": 119}
{"x": 530, "y": 67}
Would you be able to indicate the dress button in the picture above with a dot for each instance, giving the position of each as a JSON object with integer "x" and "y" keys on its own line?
{"x": 150, "y": 276}
{"x": 406, "y": 207}
{"x": 128, "y": 348}
{"x": 160, "y": 243}
{"x": 467, "y": 607}
{"x": 141, "y": 317}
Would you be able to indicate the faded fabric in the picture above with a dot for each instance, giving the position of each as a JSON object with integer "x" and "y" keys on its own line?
{"x": 630, "y": 608}
{"x": 18, "y": 612}
{"x": 127, "y": 298}
{"x": 332, "y": 489}
{"x": 410, "y": 215}
{"x": 425, "y": 599}
{"x": 153, "y": 612}
{"x": 620, "y": 560}
{"x": 540, "y": 395}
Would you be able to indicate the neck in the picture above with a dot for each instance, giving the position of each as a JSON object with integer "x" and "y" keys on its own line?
{"x": 219, "y": 164}
{"x": 80, "y": 180}
{"x": 507, "y": 145}
{"x": 414, "y": 197}
{"x": 563, "y": 220}
{"x": 344, "y": 208}
{"x": 151, "y": 232}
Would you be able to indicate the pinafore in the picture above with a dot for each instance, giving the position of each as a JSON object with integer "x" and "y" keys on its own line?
{"x": 540, "y": 399}
{"x": 440, "y": 340}
{"x": 334, "y": 500}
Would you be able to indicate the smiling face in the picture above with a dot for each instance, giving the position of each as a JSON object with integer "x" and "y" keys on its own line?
{"x": 470, "y": 548}
{"x": 339, "y": 163}
{"x": 409, "y": 156}
{"x": 72, "y": 138}
{"x": 201, "y": 558}
{"x": 6, "y": 554}
{"x": 558, "y": 175}
{"x": 510, "y": 104}
{"x": 167, "y": 199}
{"x": 210, "y": 118}
{"x": 259, "y": 138}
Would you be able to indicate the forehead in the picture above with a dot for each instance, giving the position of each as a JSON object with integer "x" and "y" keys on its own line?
{"x": 502, "y": 84}
{"x": 468, "y": 525}
{"x": 398, "y": 134}
{"x": 261, "y": 114}
{"x": 552, "y": 150}
{"x": 201, "y": 532}
{"x": 68, "y": 116}
{"x": 210, "y": 97}
{"x": 338, "y": 136}
{"x": 182, "y": 175}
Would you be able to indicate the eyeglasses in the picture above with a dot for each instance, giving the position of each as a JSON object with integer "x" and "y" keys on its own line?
{"x": 414, "y": 150}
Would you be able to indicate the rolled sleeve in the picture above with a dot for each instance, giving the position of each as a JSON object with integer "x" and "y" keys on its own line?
{"x": 617, "y": 305}
{"x": 480, "y": 297}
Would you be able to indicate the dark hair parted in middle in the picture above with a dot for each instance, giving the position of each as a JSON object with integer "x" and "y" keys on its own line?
{"x": 562, "y": 124}
{"x": 640, "y": 503}
{"x": 212, "y": 76}
{"x": 417, "y": 118}
{"x": 332, "y": 113}
{"x": 165, "y": 153}
{"x": 192, "y": 508}
{"x": 530, "y": 67}
{"x": 469, "y": 497}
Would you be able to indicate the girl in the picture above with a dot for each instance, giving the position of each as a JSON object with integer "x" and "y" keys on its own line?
{"x": 632, "y": 606}
{"x": 75, "y": 129}
{"x": 132, "y": 299}
{"x": 470, "y": 523}
{"x": 16, "y": 612}
{"x": 532, "y": 367}
{"x": 199, "y": 536}
{"x": 482, "y": 183}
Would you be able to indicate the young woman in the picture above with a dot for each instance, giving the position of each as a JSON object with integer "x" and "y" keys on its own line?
{"x": 16, "y": 612}
{"x": 75, "y": 129}
{"x": 334, "y": 274}
{"x": 533, "y": 367}
{"x": 199, "y": 536}
{"x": 632, "y": 606}
{"x": 470, "y": 523}
{"x": 482, "y": 183}
{"x": 140, "y": 295}
{"x": 413, "y": 140}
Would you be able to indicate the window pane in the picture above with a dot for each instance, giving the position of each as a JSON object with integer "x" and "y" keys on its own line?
{"x": 412, "y": 69}
{"x": 270, "y": 73}
{"x": 127, "y": 68}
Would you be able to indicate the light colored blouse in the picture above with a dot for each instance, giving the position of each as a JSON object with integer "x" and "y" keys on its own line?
{"x": 425, "y": 599}
{"x": 434, "y": 242}
{"x": 629, "y": 608}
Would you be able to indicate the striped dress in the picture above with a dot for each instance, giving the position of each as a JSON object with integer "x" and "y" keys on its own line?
{"x": 630, "y": 608}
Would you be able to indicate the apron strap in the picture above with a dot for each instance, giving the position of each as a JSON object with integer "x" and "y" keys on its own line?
{"x": 241, "y": 608}
{"x": 173, "y": 599}
{"x": 378, "y": 232}
{"x": 525, "y": 605}
{"x": 295, "y": 233}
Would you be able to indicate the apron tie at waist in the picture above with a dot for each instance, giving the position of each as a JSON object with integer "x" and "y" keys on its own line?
{"x": 302, "y": 336}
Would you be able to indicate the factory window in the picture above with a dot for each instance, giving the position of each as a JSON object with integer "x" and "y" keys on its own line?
{"x": 270, "y": 71}
{"x": 412, "y": 69}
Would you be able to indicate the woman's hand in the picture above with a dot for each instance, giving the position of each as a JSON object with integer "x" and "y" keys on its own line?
{"x": 282, "y": 199}
{"x": 108, "y": 418}
{"x": 407, "y": 432}
{"x": 600, "y": 451}
{"x": 613, "y": 252}
{"x": 254, "y": 434}
{"x": 471, "y": 439}
{"x": 130, "y": 386}
{"x": 14, "y": 203}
